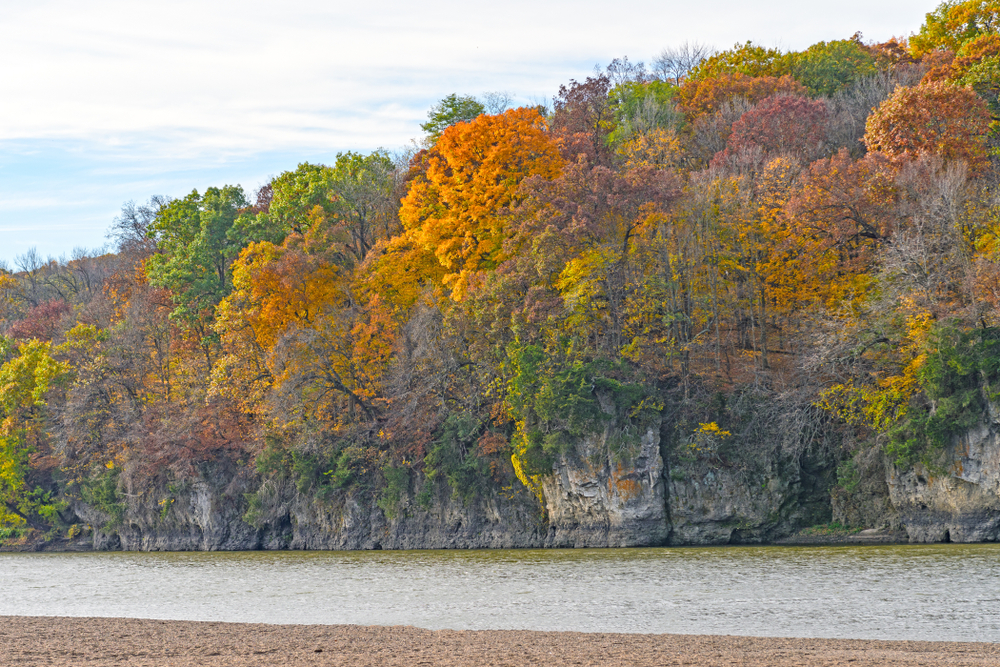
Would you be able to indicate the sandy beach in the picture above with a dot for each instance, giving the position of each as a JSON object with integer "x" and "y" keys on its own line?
{"x": 110, "y": 641}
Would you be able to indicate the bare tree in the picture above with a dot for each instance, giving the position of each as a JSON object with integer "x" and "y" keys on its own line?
{"x": 675, "y": 63}
{"x": 930, "y": 259}
{"x": 497, "y": 101}
{"x": 130, "y": 230}
{"x": 622, "y": 71}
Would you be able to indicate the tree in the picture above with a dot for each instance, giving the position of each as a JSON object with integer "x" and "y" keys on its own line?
{"x": 365, "y": 201}
{"x": 707, "y": 95}
{"x": 954, "y": 23}
{"x": 935, "y": 118}
{"x": 196, "y": 249}
{"x": 826, "y": 67}
{"x": 779, "y": 125}
{"x": 292, "y": 203}
{"x": 675, "y": 63}
{"x": 584, "y": 118}
{"x": 25, "y": 380}
{"x": 836, "y": 222}
{"x": 452, "y": 109}
{"x": 748, "y": 59}
{"x": 641, "y": 108}
{"x": 454, "y": 204}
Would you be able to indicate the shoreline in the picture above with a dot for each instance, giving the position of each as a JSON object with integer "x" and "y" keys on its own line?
{"x": 100, "y": 642}
{"x": 804, "y": 538}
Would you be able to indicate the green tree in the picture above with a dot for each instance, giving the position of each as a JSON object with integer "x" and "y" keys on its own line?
{"x": 748, "y": 59}
{"x": 826, "y": 67}
{"x": 452, "y": 109}
{"x": 196, "y": 249}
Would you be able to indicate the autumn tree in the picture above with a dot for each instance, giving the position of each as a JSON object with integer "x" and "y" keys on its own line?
{"x": 707, "y": 95}
{"x": 936, "y": 118}
{"x": 26, "y": 377}
{"x": 779, "y": 125}
{"x": 583, "y": 117}
{"x": 955, "y": 23}
{"x": 453, "y": 207}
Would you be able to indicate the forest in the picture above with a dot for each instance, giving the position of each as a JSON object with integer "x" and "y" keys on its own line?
{"x": 677, "y": 244}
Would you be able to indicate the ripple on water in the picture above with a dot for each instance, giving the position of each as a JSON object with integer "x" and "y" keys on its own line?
{"x": 939, "y": 592}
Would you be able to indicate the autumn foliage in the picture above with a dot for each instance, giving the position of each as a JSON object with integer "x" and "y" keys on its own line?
{"x": 818, "y": 224}
{"x": 935, "y": 118}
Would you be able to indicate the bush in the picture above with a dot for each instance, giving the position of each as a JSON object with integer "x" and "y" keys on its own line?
{"x": 953, "y": 396}
{"x": 101, "y": 492}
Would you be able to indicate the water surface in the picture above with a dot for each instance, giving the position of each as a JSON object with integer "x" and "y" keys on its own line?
{"x": 938, "y": 592}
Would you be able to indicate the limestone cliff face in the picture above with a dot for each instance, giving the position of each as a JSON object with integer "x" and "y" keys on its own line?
{"x": 599, "y": 496}
{"x": 961, "y": 501}
{"x": 606, "y": 490}
{"x": 731, "y": 504}
{"x": 208, "y": 516}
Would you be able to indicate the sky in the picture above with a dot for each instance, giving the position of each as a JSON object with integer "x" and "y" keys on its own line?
{"x": 109, "y": 101}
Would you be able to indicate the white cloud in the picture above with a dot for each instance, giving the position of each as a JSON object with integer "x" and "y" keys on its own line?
{"x": 130, "y": 90}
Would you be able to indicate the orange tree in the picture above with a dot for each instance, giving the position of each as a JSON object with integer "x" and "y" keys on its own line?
{"x": 463, "y": 184}
{"x": 933, "y": 118}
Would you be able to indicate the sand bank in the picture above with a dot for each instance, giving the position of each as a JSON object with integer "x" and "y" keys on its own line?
{"x": 95, "y": 642}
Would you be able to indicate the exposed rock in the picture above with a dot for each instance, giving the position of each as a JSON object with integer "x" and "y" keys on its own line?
{"x": 355, "y": 522}
{"x": 961, "y": 502}
{"x": 865, "y": 501}
{"x": 600, "y": 497}
{"x": 731, "y": 505}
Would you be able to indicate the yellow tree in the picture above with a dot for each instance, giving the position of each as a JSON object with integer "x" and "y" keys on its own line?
{"x": 25, "y": 380}
{"x": 463, "y": 184}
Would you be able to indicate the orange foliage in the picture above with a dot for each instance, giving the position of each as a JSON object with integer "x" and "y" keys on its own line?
{"x": 702, "y": 96}
{"x": 472, "y": 173}
{"x": 835, "y": 221}
{"x": 932, "y": 118}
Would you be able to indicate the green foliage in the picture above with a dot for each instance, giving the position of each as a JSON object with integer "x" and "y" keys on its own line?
{"x": 641, "y": 107}
{"x": 275, "y": 460}
{"x": 984, "y": 78}
{"x": 397, "y": 485}
{"x": 747, "y": 58}
{"x": 952, "y": 397}
{"x": 452, "y": 455}
{"x": 452, "y": 109}
{"x": 100, "y": 490}
{"x": 826, "y": 67}
{"x": 25, "y": 381}
{"x": 848, "y": 475}
{"x": 296, "y": 198}
{"x": 352, "y": 198}
{"x": 197, "y": 248}
{"x": 555, "y": 395}
{"x": 13, "y": 532}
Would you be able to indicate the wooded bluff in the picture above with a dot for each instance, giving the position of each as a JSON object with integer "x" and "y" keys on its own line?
{"x": 726, "y": 298}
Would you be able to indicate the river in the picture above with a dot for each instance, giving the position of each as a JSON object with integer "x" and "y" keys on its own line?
{"x": 934, "y": 592}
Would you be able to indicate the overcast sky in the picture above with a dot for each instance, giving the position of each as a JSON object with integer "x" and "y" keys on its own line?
{"x": 108, "y": 101}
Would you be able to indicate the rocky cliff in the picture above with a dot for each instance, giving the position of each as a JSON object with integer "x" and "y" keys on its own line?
{"x": 764, "y": 486}
{"x": 956, "y": 499}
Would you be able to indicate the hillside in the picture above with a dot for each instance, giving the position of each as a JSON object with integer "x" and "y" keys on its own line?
{"x": 723, "y": 298}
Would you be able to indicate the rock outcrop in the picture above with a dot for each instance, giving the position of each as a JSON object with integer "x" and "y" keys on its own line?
{"x": 960, "y": 501}
{"x": 607, "y": 490}
{"x": 599, "y": 496}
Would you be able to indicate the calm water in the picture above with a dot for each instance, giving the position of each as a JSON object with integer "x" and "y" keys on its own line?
{"x": 940, "y": 592}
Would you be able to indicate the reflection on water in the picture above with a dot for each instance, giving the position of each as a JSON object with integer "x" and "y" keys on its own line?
{"x": 940, "y": 592}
